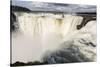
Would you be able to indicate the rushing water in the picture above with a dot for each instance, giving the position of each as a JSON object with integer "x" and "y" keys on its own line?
{"x": 46, "y": 32}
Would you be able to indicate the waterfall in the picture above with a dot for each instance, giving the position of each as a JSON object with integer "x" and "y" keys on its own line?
{"x": 48, "y": 26}
{"x": 40, "y": 25}
{"x": 42, "y": 32}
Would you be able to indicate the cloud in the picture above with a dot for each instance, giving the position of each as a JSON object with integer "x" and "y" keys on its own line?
{"x": 43, "y": 6}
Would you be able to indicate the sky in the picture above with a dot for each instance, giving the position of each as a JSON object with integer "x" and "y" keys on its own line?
{"x": 44, "y": 6}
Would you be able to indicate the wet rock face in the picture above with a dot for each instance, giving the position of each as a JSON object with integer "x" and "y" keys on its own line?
{"x": 12, "y": 22}
{"x": 86, "y": 18}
